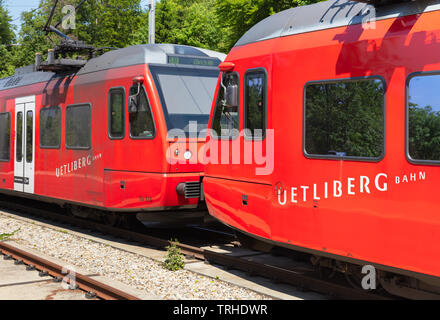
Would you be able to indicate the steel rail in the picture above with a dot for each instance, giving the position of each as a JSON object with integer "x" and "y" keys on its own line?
{"x": 85, "y": 283}
{"x": 307, "y": 282}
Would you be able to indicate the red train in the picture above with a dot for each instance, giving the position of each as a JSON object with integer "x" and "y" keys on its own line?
{"x": 100, "y": 136}
{"x": 341, "y": 98}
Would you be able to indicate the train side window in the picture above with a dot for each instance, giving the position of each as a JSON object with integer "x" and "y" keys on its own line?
{"x": 225, "y": 123}
{"x": 345, "y": 119}
{"x": 50, "y": 128}
{"x": 141, "y": 117}
{"x": 79, "y": 127}
{"x": 116, "y": 113}
{"x": 5, "y": 136}
{"x": 423, "y": 118}
{"x": 19, "y": 147}
{"x": 255, "y": 104}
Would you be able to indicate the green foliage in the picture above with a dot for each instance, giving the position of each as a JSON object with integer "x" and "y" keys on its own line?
{"x": 189, "y": 22}
{"x": 6, "y": 69}
{"x": 175, "y": 259}
{"x": 110, "y": 23}
{"x": 6, "y": 39}
{"x": 7, "y": 236}
{"x": 6, "y": 31}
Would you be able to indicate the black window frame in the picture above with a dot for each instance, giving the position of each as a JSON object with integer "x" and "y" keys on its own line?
{"x": 124, "y": 110}
{"x": 41, "y": 131}
{"x": 221, "y": 137}
{"x": 245, "y": 129}
{"x": 89, "y": 105}
{"x": 152, "y": 117}
{"x": 346, "y": 158}
{"x": 10, "y": 136}
{"x": 407, "y": 155}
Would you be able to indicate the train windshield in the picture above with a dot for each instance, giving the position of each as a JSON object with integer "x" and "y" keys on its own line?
{"x": 186, "y": 95}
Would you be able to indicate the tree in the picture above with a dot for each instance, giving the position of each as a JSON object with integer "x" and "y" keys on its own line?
{"x": 238, "y": 16}
{"x": 7, "y": 37}
{"x": 31, "y": 39}
{"x": 106, "y": 23}
{"x": 110, "y": 23}
{"x": 6, "y": 31}
{"x": 190, "y": 22}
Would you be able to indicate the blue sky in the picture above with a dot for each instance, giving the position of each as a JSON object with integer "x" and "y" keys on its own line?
{"x": 16, "y": 7}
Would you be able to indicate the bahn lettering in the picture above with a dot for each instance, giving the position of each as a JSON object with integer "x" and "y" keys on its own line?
{"x": 76, "y": 165}
{"x": 339, "y": 188}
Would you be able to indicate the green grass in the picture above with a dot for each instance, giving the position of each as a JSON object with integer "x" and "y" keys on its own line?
{"x": 7, "y": 236}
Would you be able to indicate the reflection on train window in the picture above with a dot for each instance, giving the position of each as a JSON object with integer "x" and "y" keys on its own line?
{"x": 78, "y": 127}
{"x": 141, "y": 118}
{"x": 50, "y": 128}
{"x": 19, "y": 147}
{"x": 345, "y": 119}
{"x": 5, "y": 136}
{"x": 117, "y": 108}
{"x": 29, "y": 136}
{"x": 226, "y": 118}
{"x": 255, "y": 104}
{"x": 424, "y": 118}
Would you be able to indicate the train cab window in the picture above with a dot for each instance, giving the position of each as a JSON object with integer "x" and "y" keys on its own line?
{"x": 255, "y": 104}
{"x": 19, "y": 129}
{"x": 225, "y": 123}
{"x": 79, "y": 127}
{"x": 50, "y": 128}
{"x": 141, "y": 117}
{"x": 423, "y": 116}
{"x": 5, "y": 136}
{"x": 186, "y": 96}
{"x": 345, "y": 119}
{"x": 117, "y": 111}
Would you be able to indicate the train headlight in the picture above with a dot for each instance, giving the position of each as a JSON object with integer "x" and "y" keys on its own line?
{"x": 181, "y": 188}
{"x": 187, "y": 155}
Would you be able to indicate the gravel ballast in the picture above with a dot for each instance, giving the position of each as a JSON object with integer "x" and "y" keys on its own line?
{"x": 129, "y": 268}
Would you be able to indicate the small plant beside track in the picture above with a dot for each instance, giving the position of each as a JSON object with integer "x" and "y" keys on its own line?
{"x": 7, "y": 236}
{"x": 175, "y": 259}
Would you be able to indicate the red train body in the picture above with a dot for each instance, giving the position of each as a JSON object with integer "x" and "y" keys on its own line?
{"x": 99, "y": 150}
{"x": 379, "y": 209}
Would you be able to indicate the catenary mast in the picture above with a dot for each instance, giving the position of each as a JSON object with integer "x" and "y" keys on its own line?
{"x": 152, "y": 22}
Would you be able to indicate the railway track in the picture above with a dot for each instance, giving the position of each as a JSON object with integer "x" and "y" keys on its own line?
{"x": 92, "y": 287}
{"x": 306, "y": 281}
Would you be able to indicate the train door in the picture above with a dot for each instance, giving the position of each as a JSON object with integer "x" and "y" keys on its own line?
{"x": 24, "y": 144}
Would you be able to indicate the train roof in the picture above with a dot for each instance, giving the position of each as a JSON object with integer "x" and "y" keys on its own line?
{"x": 146, "y": 54}
{"x": 130, "y": 56}
{"x": 330, "y": 14}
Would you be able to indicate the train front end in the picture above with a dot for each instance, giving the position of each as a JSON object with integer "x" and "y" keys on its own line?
{"x": 183, "y": 89}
